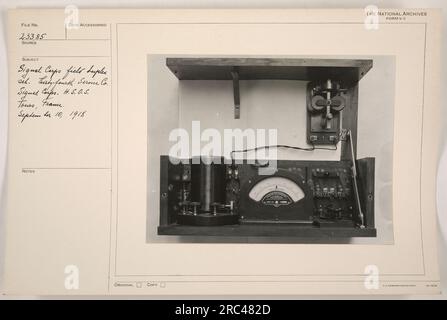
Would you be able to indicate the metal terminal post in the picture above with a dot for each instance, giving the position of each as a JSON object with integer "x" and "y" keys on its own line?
{"x": 230, "y": 206}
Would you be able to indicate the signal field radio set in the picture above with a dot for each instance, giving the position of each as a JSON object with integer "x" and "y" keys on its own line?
{"x": 300, "y": 198}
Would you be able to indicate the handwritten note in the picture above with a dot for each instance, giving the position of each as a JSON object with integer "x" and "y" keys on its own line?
{"x": 59, "y": 92}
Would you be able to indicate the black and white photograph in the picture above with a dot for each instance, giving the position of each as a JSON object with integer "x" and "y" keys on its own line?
{"x": 270, "y": 149}
{"x": 194, "y": 151}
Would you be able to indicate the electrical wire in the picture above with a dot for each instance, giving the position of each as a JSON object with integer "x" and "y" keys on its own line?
{"x": 284, "y": 146}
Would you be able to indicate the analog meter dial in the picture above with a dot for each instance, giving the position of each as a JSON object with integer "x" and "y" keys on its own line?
{"x": 276, "y": 191}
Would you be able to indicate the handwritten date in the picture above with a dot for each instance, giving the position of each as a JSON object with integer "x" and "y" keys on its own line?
{"x": 51, "y": 91}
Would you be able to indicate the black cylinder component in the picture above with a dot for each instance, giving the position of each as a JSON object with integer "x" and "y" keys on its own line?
{"x": 208, "y": 184}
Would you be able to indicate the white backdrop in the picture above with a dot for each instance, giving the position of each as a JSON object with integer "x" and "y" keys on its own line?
{"x": 442, "y": 174}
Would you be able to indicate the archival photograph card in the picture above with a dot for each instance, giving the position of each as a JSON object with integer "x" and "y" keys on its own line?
{"x": 222, "y": 152}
